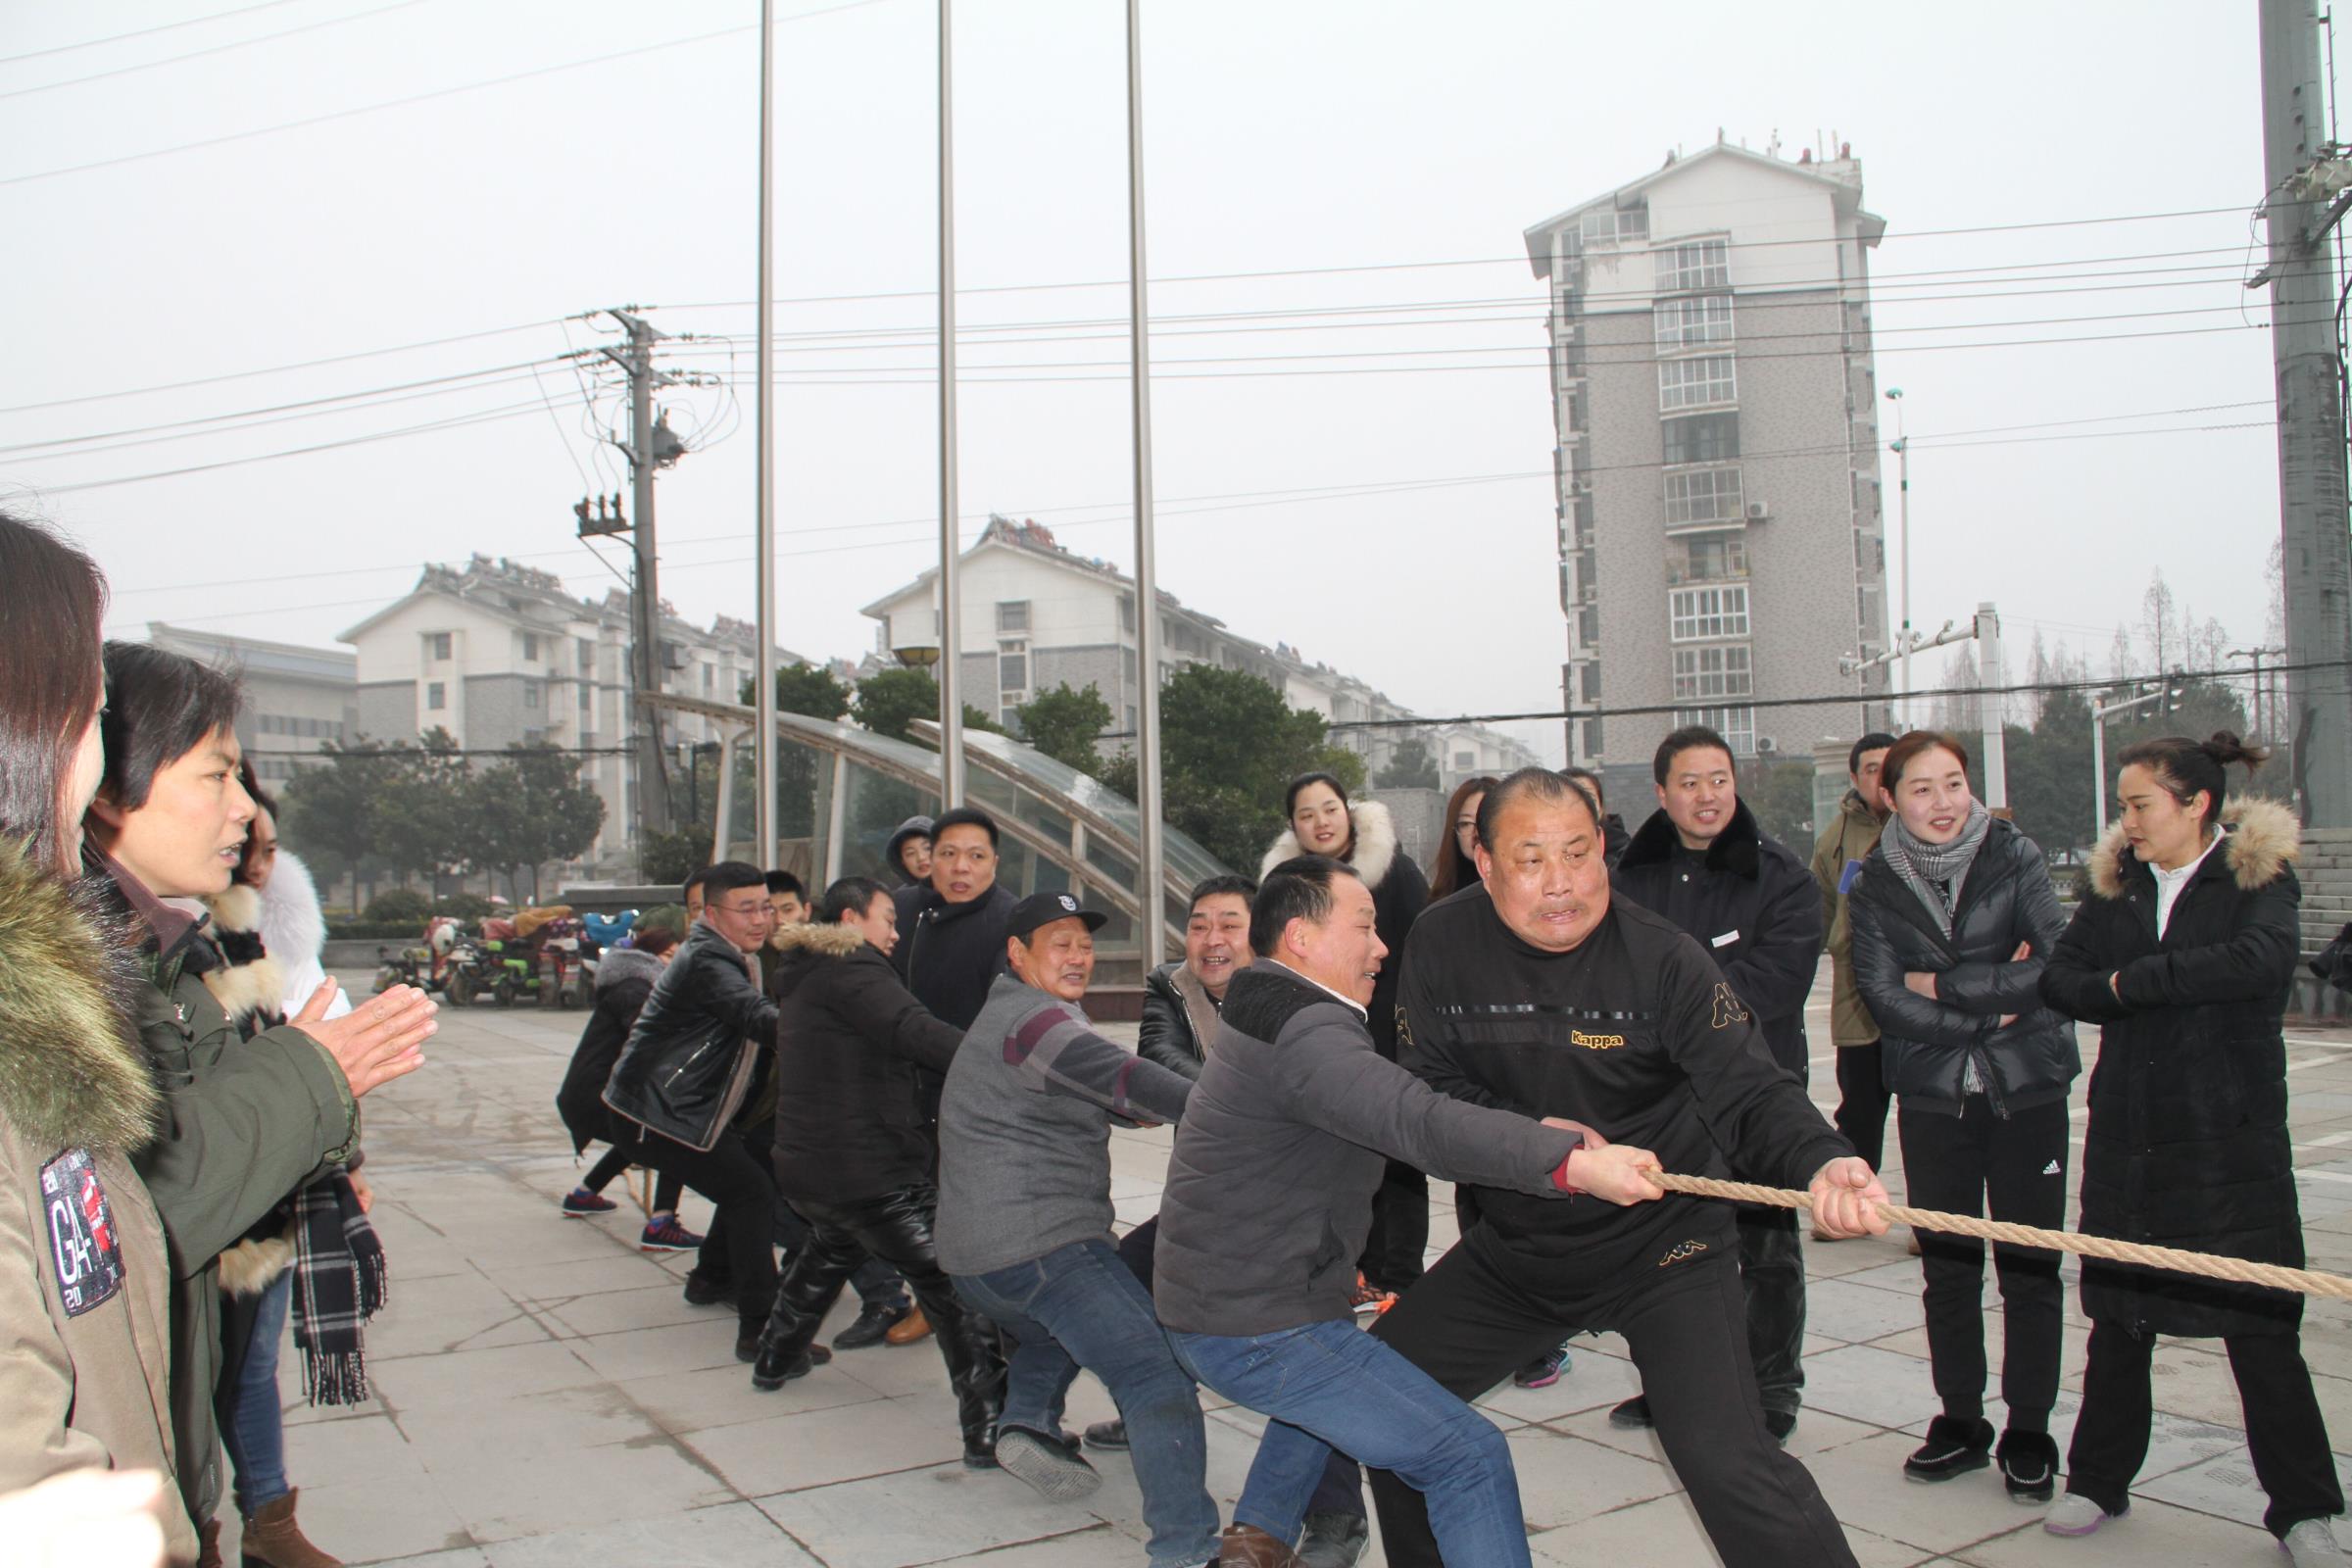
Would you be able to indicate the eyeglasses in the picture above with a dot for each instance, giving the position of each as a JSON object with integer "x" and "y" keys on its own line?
{"x": 742, "y": 911}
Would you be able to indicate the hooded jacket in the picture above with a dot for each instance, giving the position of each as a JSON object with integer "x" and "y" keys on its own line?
{"x": 1750, "y": 904}
{"x": 625, "y": 978}
{"x": 1837, "y": 857}
{"x": 1929, "y": 1044}
{"x": 1399, "y": 893}
{"x": 1180, "y": 1019}
{"x": 86, "y": 1277}
{"x": 849, "y": 1037}
{"x": 894, "y": 872}
{"x": 690, "y": 1057}
{"x": 2188, "y": 1143}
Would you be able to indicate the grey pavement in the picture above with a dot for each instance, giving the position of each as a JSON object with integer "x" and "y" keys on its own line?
{"x": 544, "y": 1397}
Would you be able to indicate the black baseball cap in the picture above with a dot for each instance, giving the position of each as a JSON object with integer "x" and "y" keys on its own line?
{"x": 1043, "y": 909}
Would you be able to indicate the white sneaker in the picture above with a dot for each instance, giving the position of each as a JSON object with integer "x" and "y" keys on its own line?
{"x": 2077, "y": 1515}
{"x": 2312, "y": 1544}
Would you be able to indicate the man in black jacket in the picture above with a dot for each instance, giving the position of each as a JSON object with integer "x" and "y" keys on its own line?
{"x": 1536, "y": 993}
{"x": 852, "y": 1153}
{"x": 1181, "y": 1000}
{"x": 1703, "y": 863}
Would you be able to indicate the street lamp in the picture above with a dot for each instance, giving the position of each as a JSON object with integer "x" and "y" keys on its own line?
{"x": 919, "y": 657}
{"x": 1902, "y": 451}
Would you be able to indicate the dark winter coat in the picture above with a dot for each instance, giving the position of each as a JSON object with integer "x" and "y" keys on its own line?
{"x": 1752, "y": 904}
{"x": 692, "y": 1053}
{"x": 2187, "y": 1143}
{"x": 625, "y": 978}
{"x": 2006, "y": 898}
{"x": 951, "y": 953}
{"x": 849, "y": 1039}
{"x": 1399, "y": 893}
{"x": 894, "y": 871}
{"x": 1177, "y": 1009}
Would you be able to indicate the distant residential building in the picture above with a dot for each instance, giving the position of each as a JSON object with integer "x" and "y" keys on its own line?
{"x": 296, "y": 699}
{"x": 1036, "y": 615}
{"x": 499, "y": 654}
{"x": 1717, "y": 441}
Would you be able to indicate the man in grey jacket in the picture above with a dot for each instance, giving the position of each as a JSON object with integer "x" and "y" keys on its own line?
{"x": 1024, "y": 1227}
{"x": 1268, "y": 1200}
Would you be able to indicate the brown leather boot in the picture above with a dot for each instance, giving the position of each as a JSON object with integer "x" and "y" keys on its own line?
{"x": 908, "y": 1329}
{"x": 1251, "y": 1547}
{"x": 207, "y": 1544}
{"x": 273, "y": 1540}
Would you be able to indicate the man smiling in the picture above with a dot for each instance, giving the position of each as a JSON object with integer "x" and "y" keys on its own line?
{"x": 1181, "y": 1000}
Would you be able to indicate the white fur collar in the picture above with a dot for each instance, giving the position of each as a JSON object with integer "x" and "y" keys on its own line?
{"x": 292, "y": 925}
{"x": 1372, "y": 853}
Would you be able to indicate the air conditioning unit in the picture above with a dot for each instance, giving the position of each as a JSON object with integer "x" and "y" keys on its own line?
{"x": 1766, "y": 746}
{"x": 1757, "y": 512}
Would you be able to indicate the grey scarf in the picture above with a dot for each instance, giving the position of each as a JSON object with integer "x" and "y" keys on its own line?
{"x": 1936, "y": 871}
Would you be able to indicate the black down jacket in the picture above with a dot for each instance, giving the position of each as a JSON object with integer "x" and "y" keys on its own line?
{"x": 1171, "y": 997}
{"x": 2006, "y": 898}
{"x": 694, "y": 1049}
{"x": 2187, "y": 1143}
{"x": 849, "y": 1038}
{"x": 625, "y": 978}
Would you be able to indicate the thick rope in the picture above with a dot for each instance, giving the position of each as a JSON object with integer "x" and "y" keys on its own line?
{"x": 2237, "y": 1270}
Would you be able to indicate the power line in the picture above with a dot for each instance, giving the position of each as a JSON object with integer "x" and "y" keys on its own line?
{"x": 142, "y": 32}
{"x": 216, "y": 49}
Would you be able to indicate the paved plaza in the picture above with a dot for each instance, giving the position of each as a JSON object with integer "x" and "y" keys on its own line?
{"x": 546, "y": 1399}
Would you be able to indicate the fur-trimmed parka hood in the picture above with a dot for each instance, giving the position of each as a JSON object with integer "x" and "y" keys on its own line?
{"x": 2264, "y": 840}
{"x": 73, "y": 1073}
{"x": 627, "y": 963}
{"x": 1372, "y": 849}
{"x": 830, "y": 940}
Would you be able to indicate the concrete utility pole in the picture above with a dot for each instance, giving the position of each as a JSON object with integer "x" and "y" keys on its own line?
{"x": 1153, "y": 927}
{"x": 644, "y": 590}
{"x": 763, "y": 741}
{"x": 950, "y": 624}
{"x": 2301, "y": 171}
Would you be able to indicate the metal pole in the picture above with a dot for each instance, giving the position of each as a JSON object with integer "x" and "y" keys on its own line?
{"x": 1902, "y": 451}
{"x": 763, "y": 701}
{"x": 1146, "y": 572}
{"x": 653, "y": 782}
{"x": 1996, "y": 715}
{"x": 2099, "y": 771}
{"x": 2317, "y": 550}
{"x": 950, "y": 645}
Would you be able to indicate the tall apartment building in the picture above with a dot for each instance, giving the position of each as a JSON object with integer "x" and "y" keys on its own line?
{"x": 296, "y": 699}
{"x": 1721, "y": 538}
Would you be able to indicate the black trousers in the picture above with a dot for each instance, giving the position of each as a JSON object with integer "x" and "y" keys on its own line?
{"x": 1862, "y": 1101}
{"x": 877, "y": 1283}
{"x": 615, "y": 1160}
{"x": 1772, "y": 1288}
{"x": 743, "y": 1198}
{"x": 1399, "y": 1235}
{"x": 2017, "y": 1165}
{"x": 1469, "y": 1326}
{"x": 2284, "y": 1429}
{"x": 895, "y": 1228}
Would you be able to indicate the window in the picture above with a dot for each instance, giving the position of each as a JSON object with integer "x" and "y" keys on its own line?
{"x": 1013, "y": 672}
{"x": 1587, "y": 681}
{"x": 1127, "y": 664}
{"x": 1126, "y": 611}
{"x": 436, "y": 645}
{"x": 1464, "y": 762}
{"x": 587, "y": 658}
{"x": 1702, "y": 438}
{"x": 530, "y": 646}
{"x": 1012, "y": 615}
{"x": 1694, "y": 264}
{"x": 530, "y": 694}
{"x": 1609, "y": 224}
{"x": 1693, "y": 320}
{"x": 1707, "y": 556}
{"x": 1712, "y": 672}
{"x": 1694, "y": 383}
{"x": 587, "y": 696}
{"x": 709, "y": 677}
{"x": 1736, "y": 725}
{"x": 436, "y": 697}
{"x": 1702, "y": 495}
{"x": 1695, "y": 615}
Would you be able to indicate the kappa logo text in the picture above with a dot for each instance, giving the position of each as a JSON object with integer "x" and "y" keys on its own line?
{"x": 1728, "y": 1010}
{"x": 1595, "y": 1041}
{"x": 1682, "y": 1253}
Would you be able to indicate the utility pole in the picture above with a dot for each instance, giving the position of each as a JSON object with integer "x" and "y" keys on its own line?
{"x": 1152, "y": 927}
{"x": 764, "y": 740}
{"x": 950, "y": 624}
{"x": 649, "y": 446}
{"x": 1902, "y": 454}
{"x": 2302, "y": 171}
{"x": 2258, "y": 655}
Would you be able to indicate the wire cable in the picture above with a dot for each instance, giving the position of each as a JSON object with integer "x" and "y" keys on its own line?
{"x": 142, "y": 32}
{"x": 216, "y": 49}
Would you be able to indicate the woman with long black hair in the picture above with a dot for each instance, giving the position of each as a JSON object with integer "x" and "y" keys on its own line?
{"x": 1454, "y": 867}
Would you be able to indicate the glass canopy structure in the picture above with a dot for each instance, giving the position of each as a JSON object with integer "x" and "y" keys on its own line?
{"x": 842, "y": 791}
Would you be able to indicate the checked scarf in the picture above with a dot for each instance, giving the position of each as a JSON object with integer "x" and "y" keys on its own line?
{"x": 1936, "y": 871}
{"x": 339, "y": 1284}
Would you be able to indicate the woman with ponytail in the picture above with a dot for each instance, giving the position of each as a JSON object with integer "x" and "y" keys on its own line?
{"x": 2183, "y": 951}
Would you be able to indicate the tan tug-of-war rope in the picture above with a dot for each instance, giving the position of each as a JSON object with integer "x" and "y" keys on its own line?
{"x": 2106, "y": 1248}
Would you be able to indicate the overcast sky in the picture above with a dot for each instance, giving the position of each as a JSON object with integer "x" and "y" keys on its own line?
{"x": 1341, "y": 155}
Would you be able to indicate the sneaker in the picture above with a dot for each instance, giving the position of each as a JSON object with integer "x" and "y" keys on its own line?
{"x": 1632, "y": 1415}
{"x": 2077, "y": 1515}
{"x": 580, "y": 1202}
{"x": 1953, "y": 1448}
{"x": 873, "y": 1325}
{"x": 1108, "y": 1435}
{"x": 703, "y": 1291}
{"x": 1543, "y": 1371}
{"x": 2028, "y": 1462}
{"x": 1369, "y": 1299}
{"x": 1058, "y": 1474}
{"x": 2312, "y": 1544}
{"x": 1780, "y": 1423}
{"x": 666, "y": 1235}
{"x": 1333, "y": 1540}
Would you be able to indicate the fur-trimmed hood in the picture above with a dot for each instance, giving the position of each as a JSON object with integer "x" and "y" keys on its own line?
{"x": 1372, "y": 849}
{"x": 73, "y": 1073}
{"x": 249, "y": 984}
{"x": 293, "y": 926}
{"x": 830, "y": 940}
{"x": 2264, "y": 840}
{"x": 627, "y": 963}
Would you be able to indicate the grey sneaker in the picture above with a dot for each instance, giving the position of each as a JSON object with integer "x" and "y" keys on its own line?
{"x": 1333, "y": 1540}
{"x": 2312, "y": 1544}
{"x": 2077, "y": 1515}
{"x": 1059, "y": 1474}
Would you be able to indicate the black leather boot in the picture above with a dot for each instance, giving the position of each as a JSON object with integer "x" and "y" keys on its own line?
{"x": 977, "y": 1372}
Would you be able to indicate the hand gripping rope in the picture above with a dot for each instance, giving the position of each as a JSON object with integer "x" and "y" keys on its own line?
{"x": 2237, "y": 1270}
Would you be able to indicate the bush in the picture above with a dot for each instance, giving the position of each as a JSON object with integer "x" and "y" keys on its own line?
{"x": 390, "y": 932}
{"x": 467, "y": 907}
{"x": 399, "y": 907}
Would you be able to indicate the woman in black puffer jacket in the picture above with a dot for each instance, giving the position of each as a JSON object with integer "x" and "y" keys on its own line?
{"x": 1954, "y": 917}
{"x": 2181, "y": 951}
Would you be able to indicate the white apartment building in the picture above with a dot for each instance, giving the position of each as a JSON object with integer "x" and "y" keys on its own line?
{"x": 296, "y": 699}
{"x": 1037, "y": 617}
{"x": 1716, "y": 450}
{"x": 499, "y": 654}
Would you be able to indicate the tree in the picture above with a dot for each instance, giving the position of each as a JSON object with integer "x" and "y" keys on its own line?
{"x": 331, "y": 811}
{"x": 890, "y": 701}
{"x": 1780, "y": 795}
{"x": 525, "y": 811}
{"x": 672, "y": 857}
{"x": 810, "y": 689}
{"x": 418, "y": 824}
{"x": 1412, "y": 766}
{"x": 1063, "y": 725}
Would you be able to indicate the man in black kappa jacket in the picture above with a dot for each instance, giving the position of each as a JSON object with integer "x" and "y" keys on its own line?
{"x": 1536, "y": 993}
{"x": 1703, "y": 863}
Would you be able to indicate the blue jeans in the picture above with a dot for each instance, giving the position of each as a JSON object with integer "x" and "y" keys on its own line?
{"x": 255, "y": 1435}
{"x": 1079, "y": 1305}
{"x": 1330, "y": 1385}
